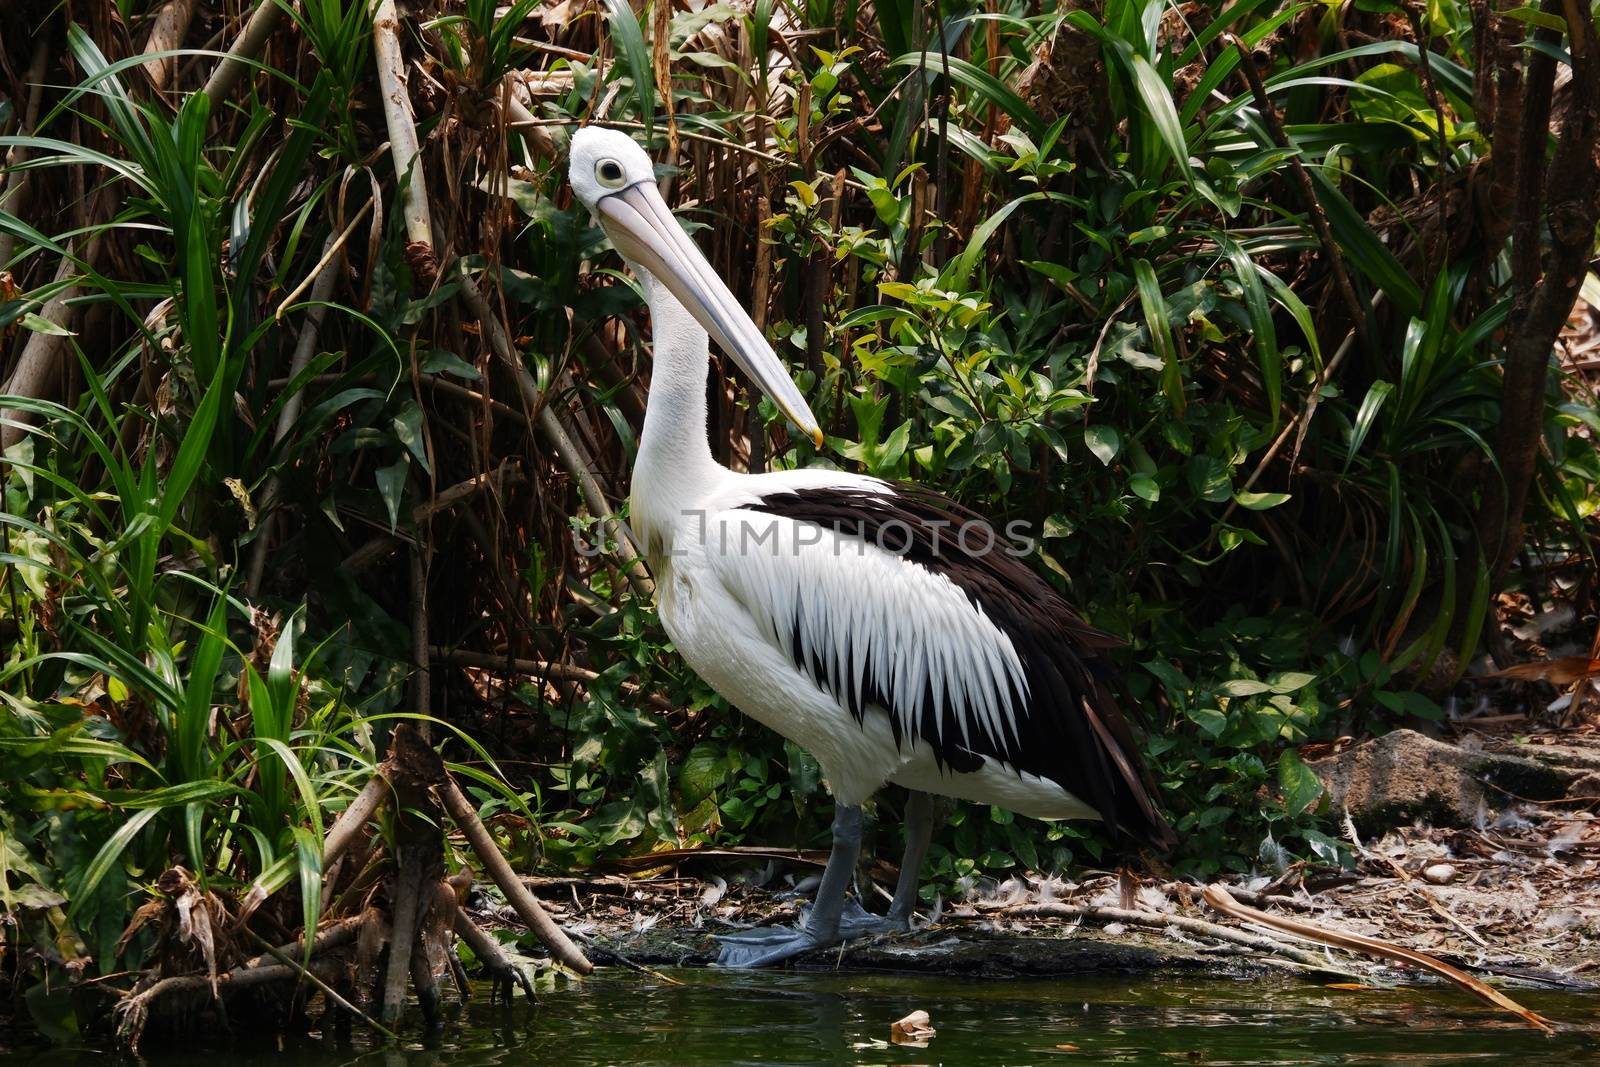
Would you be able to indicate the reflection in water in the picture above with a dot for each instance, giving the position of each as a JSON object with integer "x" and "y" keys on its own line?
{"x": 717, "y": 1017}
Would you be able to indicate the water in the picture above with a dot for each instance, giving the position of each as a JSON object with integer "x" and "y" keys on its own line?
{"x": 714, "y": 1017}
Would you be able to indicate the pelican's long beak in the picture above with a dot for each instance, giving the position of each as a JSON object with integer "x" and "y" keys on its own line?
{"x": 639, "y": 223}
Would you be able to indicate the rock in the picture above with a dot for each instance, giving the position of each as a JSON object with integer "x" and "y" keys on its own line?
{"x": 1439, "y": 874}
{"x": 1402, "y": 776}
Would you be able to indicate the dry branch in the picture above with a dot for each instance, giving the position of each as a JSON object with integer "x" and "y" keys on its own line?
{"x": 1308, "y": 193}
{"x": 353, "y": 819}
{"x": 1218, "y": 898}
{"x": 534, "y": 668}
{"x": 494, "y": 959}
{"x": 556, "y": 435}
{"x": 518, "y": 895}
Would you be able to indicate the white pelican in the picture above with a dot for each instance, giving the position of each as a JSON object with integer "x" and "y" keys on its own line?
{"x": 865, "y": 621}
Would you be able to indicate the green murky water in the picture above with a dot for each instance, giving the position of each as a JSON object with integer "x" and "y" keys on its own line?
{"x": 808, "y": 1018}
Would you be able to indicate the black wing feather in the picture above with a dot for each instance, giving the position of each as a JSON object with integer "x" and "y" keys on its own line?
{"x": 1069, "y": 728}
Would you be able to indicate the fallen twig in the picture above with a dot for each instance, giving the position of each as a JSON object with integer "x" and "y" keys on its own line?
{"x": 1162, "y": 920}
{"x": 1218, "y": 898}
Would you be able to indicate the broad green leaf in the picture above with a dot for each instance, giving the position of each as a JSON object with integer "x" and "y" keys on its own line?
{"x": 1259, "y": 501}
{"x": 1301, "y": 787}
{"x": 1103, "y": 441}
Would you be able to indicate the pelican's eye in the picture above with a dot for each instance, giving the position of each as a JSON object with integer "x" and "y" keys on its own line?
{"x": 608, "y": 172}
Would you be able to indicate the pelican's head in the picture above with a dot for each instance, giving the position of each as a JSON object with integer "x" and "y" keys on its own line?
{"x": 614, "y": 179}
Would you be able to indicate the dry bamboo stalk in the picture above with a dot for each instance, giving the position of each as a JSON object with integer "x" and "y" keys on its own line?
{"x": 403, "y": 144}
{"x": 246, "y": 47}
{"x": 1218, "y": 898}
{"x": 171, "y": 27}
{"x": 526, "y": 904}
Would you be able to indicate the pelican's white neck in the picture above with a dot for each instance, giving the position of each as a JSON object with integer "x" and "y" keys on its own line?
{"x": 674, "y": 468}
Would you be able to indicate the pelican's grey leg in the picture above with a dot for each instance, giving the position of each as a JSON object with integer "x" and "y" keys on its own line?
{"x": 820, "y": 928}
{"x": 823, "y": 922}
{"x": 921, "y": 815}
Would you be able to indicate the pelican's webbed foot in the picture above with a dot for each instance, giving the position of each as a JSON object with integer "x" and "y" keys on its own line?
{"x": 769, "y": 945}
{"x": 764, "y": 946}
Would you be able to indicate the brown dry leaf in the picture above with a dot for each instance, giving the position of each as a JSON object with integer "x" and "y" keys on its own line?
{"x": 1561, "y": 671}
{"x": 1068, "y": 1048}
{"x": 914, "y": 1030}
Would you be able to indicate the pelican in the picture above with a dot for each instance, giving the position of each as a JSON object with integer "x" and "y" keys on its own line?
{"x": 863, "y": 620}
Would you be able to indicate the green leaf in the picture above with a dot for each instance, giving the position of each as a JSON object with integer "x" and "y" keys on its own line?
{"x": 110, "y": 855}
{"x": 1262, "y": 333}
{"x": 1145, "y": 487}
{"x": 1156, "y": 96}
{"x": 1103, "y": 441}
{"x": 1259, "y": 501}
{"x": 441, "y": 361}
{"x": 1301, "y": 788}
{"x": 1291, "y": 681}
{"x": 40, "y": 324}
{"x": 629, "y": 39}
{"x": 407, "y": 425}
{"x": 702, "y": 772}
{"x": 1245, "y": 687}
{"x": 392, "y": 487}
{"x": 959, "y": 271}
{"x": 980, "y": 81}
{"x": 1157, "y": 319}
